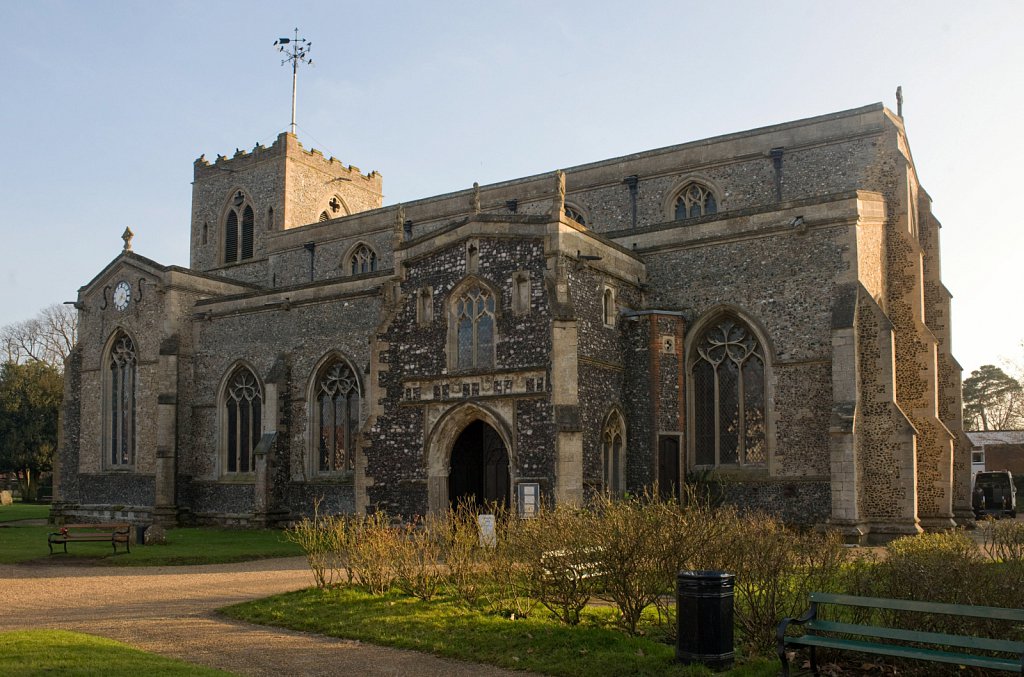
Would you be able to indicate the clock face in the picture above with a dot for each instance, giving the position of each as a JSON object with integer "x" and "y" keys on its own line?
{"x": 122, "y": 295}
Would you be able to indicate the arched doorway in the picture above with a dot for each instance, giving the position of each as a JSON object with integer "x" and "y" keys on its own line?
{"x": 479, "y": 466}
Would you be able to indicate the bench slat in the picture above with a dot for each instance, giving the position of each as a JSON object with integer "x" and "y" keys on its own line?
{"x": 907, "y": 652}
{"x": 1000, "y": 613}
{"x": 967, "y": 642}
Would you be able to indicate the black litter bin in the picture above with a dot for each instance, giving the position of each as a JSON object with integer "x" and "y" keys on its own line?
{"x": 704, "y": 618}
{"x": 140, "y": 534}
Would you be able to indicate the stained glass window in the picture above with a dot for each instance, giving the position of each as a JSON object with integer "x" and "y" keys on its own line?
{"x": 337, "y": 419}
{"x": 243, "y": 401}
{"x": 575, "y": 214}
{"x": 729, "y": 397}
{"x": 613, "y": 455}
{"x": 123, "y": 376}
{"x": 363, "y": 260}
{"x": 473, "y": 314}
{"x": 695, "y": 200}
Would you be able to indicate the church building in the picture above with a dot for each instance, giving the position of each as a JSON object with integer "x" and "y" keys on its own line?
{"x": 763, "y": 310}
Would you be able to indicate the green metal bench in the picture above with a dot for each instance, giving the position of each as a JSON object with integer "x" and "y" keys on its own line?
{"x": 899, "y": 642}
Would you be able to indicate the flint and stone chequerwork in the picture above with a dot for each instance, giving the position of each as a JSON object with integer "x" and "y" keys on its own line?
{"x": 763, "y": 310}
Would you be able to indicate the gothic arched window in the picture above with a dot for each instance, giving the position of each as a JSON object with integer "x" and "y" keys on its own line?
{"x": 336, "y": 419}
{"x": 362, "y": 260}
{"x": 728, "y": 375}
{"x": 241, "y": 410}
{"x": 613, "y": 454}
{"x": 695, "y": 199}
{"x": 608, "y": 307}
{"x": 473, "y": 324}
{"x": 120, "y": 402}
{"x": 239, "y": 224}
{"x": 575, "y": 214}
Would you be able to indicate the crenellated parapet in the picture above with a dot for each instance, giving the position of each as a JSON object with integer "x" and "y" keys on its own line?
{"x": 286, "y": 145}
{"x": 238, "y": 201}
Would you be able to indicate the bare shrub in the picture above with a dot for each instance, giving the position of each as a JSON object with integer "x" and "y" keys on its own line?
{"x": 775, "y": 568}
{"x": 694, "y": 534}
{"x": 555, "y": 553}
{"x": 466, "y": 560}
{"x": 1003, "y": 540}
{"x": 318, "y": 538}
{"x": 417, "y": 549}
{"x": 633, "y": 552}
{"x": 640, "y": 545}
{"x": 372, "y": 552}
{"x": 505, "y": 586}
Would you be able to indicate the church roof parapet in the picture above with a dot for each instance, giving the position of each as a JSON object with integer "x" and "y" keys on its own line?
{"x": 284, "y": 146}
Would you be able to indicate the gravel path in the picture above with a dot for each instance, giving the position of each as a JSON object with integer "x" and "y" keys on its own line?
{"x": 170, "y": 611}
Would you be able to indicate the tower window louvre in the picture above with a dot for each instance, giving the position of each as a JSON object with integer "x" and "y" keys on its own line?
{"x": 247, "y": 232}
{"x": 231, "y": 237}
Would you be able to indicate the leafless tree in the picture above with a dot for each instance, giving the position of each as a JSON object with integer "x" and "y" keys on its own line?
{"x": 48, "y": 337}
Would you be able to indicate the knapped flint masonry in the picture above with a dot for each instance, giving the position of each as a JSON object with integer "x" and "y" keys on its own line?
{"x": 766, "y": 305}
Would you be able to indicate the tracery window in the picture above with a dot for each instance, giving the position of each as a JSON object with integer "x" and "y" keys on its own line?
{"x": 122, "y": 382}
{"x": 613, "y": 455}
{"x": 242, "y": 411}
{"x": 728, "y": 376}
{"x": 239, "y": 223}
{"x": 324, "y": 216}
{"x": 695, "y": 199}
{"x": 575, "y": 214}
{"x": 473, "y": 319}
{"x": 363, "y": 260}
{"x": 336, "y": 419}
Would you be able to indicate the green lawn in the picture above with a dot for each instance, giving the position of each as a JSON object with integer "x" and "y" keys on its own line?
{"x": 24, "y": 511}
{"x": 440, "y": 627}
{"x": 184, "y": 546}
{"x": 39, "y": 652}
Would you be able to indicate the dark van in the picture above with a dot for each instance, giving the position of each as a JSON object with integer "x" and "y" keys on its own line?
{"x": 994, "y": 494}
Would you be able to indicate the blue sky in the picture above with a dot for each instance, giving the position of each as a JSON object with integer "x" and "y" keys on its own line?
{"x": 107, "y": 104}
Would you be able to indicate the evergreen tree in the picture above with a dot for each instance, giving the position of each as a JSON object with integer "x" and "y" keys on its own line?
{"x": 993, "y": 400}
{"x": 30, "y": 398}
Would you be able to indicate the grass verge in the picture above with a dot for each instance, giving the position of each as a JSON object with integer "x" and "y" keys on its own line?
{"x": 198, "y": 545}
{"x": 39, "y": 652}
{"x": 446, "y": 629}
{"x": 24, "y": 511}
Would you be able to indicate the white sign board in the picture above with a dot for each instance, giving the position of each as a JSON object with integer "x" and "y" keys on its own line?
{"x": 488, "y": 538}
{"x": 529, "y": 499}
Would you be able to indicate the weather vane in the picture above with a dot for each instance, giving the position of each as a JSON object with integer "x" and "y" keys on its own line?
{"x": 295, "y": 50}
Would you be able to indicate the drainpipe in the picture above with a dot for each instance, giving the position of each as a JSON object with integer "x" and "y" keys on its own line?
{"x": 632, "y": 182}
{"x": 310, "y": 247}
{"x": 776, "y": 156}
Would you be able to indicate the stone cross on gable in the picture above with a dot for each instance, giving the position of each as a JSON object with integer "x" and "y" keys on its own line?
{"x": 899, "y": 100}
{"x": 127, "y": 237}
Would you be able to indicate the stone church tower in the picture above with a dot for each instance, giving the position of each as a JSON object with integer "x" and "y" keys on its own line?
{"x": 764, "y": 309}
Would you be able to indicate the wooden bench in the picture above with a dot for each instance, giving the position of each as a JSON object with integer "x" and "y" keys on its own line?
{"x": 899, "y": 642}
{"x": 99, "y": 533}
{"x": 574, "y": 565}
